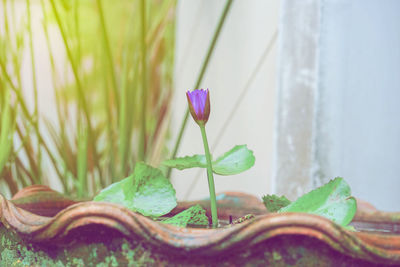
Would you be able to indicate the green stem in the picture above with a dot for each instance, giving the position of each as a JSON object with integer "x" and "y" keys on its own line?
{"x": 211, "y": 186}
{"x": 200, "y": 77}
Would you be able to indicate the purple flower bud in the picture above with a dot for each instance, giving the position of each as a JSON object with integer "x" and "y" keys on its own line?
{"x": 199, "y": 105}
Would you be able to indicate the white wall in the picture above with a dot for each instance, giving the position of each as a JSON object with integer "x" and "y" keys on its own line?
{"x": 353, "y": 94}
{"x": 359, "y": 76}
{"x": 249, "y": 27}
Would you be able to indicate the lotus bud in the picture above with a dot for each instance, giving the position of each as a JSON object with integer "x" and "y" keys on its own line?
{"x": 199, "y": 105}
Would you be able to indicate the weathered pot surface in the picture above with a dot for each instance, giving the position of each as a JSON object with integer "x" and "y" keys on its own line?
{"x": 41, "y": 218}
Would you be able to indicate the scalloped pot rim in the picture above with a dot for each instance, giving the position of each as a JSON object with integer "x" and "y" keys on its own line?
{"x": 378, "y": 248}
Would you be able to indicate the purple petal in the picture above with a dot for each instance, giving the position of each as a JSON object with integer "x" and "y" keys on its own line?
{"x": 198, "y": 99}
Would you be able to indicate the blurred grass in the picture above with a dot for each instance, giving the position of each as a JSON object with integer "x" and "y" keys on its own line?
{"x": 111, "y": 113}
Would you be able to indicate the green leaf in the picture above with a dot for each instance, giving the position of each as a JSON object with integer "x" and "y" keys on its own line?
{"x": 274, "y": 203}
{"x": 332, "y": 200}
{"x": 146, "y": 191}
{"x": 114, "y": 193}
{"x": 236, "y": 160}
{"x": 152, "y": 193}
{"x": 187, "y": 162}
{"x": 194, "y": 215}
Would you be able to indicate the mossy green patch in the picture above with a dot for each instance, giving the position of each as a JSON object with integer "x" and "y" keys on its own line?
{"x": 117, "y": 252}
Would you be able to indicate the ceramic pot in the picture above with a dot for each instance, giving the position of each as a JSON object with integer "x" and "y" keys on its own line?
{"x": 41, "y": 227}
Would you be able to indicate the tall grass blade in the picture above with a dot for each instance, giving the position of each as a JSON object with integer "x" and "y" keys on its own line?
{"x": 143, "y": 138}
{"x": 237, "y": 104}
{"x": 35, "y": 90}
{"x": 6, "y": 131}
{"x": 82, "y": 161}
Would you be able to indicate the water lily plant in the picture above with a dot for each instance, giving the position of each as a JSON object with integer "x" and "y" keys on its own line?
{"x": 150, "y": 193}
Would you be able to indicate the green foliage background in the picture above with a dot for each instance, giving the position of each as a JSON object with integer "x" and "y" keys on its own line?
{"x": 114, "y": 110}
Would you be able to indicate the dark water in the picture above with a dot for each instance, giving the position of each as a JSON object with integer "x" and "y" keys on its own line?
{"x": 378, "y": 228}
{"x": 221, "y": 224}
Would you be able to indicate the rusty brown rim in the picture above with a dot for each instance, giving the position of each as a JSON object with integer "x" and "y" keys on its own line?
{"x": 36, "y": 228}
